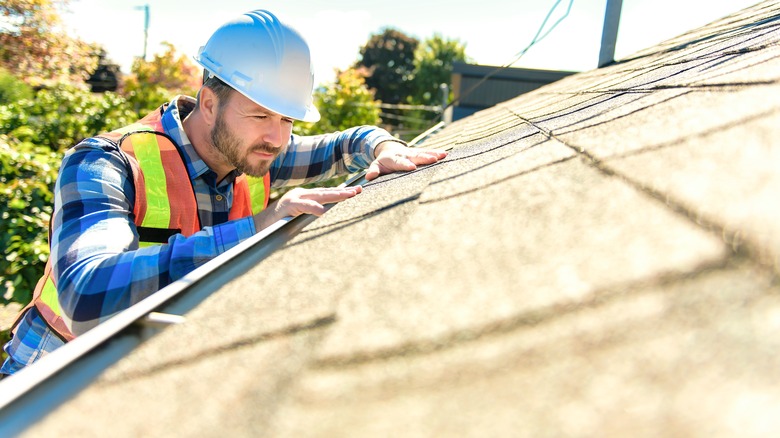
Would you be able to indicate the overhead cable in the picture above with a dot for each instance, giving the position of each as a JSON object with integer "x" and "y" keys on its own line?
{"x": 536, "y": 39}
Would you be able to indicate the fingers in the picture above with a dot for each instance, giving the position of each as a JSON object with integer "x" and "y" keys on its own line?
{"x": 402, "y": 163}
{"x": 372, "y": 171}
{"x": 312, "y": 201}
{"x": 307, "y": 206}
{"x": 304, "y": 201}
{"x": 428, "y": 156}
{"x": 402, "y": 160}
{"x": 388, "y": 163}
{"x": 330, "y": 195}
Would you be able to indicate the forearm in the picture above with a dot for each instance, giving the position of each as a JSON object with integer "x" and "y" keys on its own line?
{"x": 316, "y": 158}
{"x": 104, "y": 280}
{"x": 98, "y": 267}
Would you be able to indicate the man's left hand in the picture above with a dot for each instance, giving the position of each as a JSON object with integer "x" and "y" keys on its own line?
{"x": 392, "y": 157}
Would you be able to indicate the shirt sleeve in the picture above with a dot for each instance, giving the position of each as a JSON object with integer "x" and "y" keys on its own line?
{"x": 316, "y": 158}
{"x": 98, "y": 266}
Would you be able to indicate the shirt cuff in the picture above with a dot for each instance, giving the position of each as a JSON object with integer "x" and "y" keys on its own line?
{"x": 232, "y": 233}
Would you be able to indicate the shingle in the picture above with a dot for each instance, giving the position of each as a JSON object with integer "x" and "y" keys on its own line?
{"x": 758, "y": 65}
{"x": 679, "y": 359}
{"x": 672, "y": 121}
{"x": 606, "y": 109}
{"x": 553, "y": 245}
{"x": 233, "y": 393}
{"x": 732, "y": 181}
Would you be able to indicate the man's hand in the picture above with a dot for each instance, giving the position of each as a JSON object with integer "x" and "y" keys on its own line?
{"x": 392, "y": 156}
{"x": 303, "y": 201}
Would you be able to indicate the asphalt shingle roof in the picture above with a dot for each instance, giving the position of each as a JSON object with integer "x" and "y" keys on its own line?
{"x": 598, "y": 257}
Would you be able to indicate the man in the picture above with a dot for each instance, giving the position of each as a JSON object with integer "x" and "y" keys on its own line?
{"x": 140, "y": 207}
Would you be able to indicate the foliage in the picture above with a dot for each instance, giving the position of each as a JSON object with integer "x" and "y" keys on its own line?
{"x": 388, "y": 61}
{"x": 403, "y": 71}
{"x": 33, "y": 45}
{"x": 5, "y": 336}
{"x": 33, "y": 135}
{"x": 26, "y": 179}
{"x": 433, "y": 66}
{"x": 159, "y": 80}
{"x": 12, "y": 88}
{"x": 343, "y": 104}
{"x": 60, "y": 116}
{"x": 433, "y": 61}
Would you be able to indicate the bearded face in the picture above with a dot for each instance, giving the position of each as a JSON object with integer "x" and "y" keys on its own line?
{"x": 235, "y": 153}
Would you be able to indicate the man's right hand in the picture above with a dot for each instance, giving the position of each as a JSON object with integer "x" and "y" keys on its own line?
{"x": 303, "y": 201}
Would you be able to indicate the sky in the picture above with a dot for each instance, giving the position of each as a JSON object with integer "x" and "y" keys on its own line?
{"x": 493, "y": 31}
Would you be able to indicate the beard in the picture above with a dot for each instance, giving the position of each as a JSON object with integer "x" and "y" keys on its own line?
{"x": 229, "y": 145}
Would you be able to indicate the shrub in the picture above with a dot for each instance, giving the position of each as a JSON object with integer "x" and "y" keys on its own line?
{"x": 34, "y": 133}
{"x": 5, "y": 336}
{"x": 12, "y": 89}
{"x": 63, "y": 115}
{"x": 26, "y": 181}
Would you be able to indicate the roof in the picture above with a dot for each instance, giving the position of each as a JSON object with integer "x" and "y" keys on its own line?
{"x": 596, "y": 257}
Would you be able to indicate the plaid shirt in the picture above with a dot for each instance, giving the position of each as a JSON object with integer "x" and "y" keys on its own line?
{"x": 99, "y": 267}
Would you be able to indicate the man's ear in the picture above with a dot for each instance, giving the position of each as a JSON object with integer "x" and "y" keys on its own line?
{"x": 208, "y": 105}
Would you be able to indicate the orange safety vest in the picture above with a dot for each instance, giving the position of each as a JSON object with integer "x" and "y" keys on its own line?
{"x": 165, "y": 203}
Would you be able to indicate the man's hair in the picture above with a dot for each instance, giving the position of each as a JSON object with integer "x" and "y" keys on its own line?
{"x": 221, "y": 89}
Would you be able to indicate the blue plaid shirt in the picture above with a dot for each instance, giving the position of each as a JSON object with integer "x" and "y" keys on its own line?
{"x": 99, "y": 267}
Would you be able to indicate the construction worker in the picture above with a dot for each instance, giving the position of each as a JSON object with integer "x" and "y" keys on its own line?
{"x": 138, "y": 208}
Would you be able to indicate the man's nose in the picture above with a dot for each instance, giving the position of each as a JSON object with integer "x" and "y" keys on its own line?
{"x": 273, "y": 135}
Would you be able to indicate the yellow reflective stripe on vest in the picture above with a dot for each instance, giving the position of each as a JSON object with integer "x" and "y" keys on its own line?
{"x": 49, "y": 292}
{"x": 158, "y": 207}
{"x": 49, "y": 296}
{"x": 256, "y": 193}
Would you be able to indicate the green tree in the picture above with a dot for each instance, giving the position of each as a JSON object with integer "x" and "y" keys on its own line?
{"x": 433, "y": 61}
{"x": 433, "y": 66}
{"x": 387, "y": 61}
{"x": 154, "y": 82}
{"x": 35, "y": 47}
{"x": 342, "y": 104}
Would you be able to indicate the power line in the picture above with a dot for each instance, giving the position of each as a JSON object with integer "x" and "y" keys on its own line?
{"x": 401, "y": 106}
{"x": 536, "y": 39}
